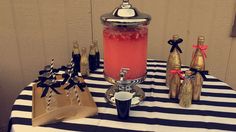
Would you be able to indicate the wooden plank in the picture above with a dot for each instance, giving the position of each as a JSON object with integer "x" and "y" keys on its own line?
{"x": 78, "y": 21}
{"x": 178, "y": 17}
{"x": 10, "y": 67}
{"x": 100, "y": 7}
{"x": 158, "y": 10}
{"x": 200, "y": 22}
{"x": 220, "y": 40}
{"x": 29, "y": 34}
{"x": 52, "y": 14}
{"x": 231, "y": 70}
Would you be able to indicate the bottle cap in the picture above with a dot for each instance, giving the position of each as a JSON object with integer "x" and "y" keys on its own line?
{"x": 175, "y": 37}
{"x": 96, "y": 45}
{"x": 75, "y": 44}
{"x": 83, "y": 50}
{"x": 201, "y": 40}
{"x": 76, "y": 47}
{"x": 92, "y": 49}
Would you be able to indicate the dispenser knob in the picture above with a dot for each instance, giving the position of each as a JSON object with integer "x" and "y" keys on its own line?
{"x": 123, "y": 73}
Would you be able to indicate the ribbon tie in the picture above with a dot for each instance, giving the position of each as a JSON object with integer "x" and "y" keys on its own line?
{"x": 73, "y": 81}
{"x": 49, "y": 84}
{"x": 68, "y": 69}
{"x": 202, "y": 48}
{"x": 48, "y": 70}
{"x": 175, "y": 44}
{"x": 203, "y": 73}
{"x": 179, "y": 72}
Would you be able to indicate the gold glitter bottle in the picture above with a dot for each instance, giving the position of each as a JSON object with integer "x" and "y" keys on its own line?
{"x": 186, "y": 90}
{"x": 175, "y": 82}
{"x": 174, "y": 60}
{"x": 198, "y": 65}
{"x": 84, "y": 63}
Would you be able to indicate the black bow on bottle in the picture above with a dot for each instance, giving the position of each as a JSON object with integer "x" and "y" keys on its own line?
{"x": 175, "y": 44}
{"x": 48, "y": 84}
{"x": 203, "y": 73}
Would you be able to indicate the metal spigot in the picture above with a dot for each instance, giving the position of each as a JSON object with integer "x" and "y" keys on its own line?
{"x": 123, "y": 84}
{"x": 123, "y": 73}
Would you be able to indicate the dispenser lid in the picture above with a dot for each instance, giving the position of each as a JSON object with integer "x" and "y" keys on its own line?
{"x": 125, "y": 15}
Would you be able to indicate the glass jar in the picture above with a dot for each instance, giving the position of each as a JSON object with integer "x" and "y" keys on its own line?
{"x": 125, "y": 38}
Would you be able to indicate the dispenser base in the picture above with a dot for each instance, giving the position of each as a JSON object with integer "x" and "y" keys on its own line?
{"x": 138, "y": 96}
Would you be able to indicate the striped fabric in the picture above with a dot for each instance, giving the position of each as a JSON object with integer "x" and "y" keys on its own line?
{"x": 215, "y": 112}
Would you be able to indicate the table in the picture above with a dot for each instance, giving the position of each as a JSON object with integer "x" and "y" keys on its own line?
{"x": 215, "y": 112}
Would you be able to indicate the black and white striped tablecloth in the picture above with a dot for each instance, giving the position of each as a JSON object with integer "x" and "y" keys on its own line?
{"x": 215, "y": 112}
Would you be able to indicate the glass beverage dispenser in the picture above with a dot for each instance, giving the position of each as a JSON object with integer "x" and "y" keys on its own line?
{"x": 125, "y": 37}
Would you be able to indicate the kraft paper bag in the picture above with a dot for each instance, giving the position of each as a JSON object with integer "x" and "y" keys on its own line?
{"x": 69, "y": 104}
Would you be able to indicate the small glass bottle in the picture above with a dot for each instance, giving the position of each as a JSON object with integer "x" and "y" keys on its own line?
{"x": 97, "y": 54}
{"x": 84, "y": 63}
{"x": 76, "y": 57}
{"x": 92, "y": 58}
{"x": 186, "y": 90}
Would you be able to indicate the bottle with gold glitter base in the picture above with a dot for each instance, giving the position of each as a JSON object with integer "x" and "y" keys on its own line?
{"x": 186, "y": 90}
{"x": 174, "y": 60}
{"x": 197, "y": 66}
{"x": 174, "y": 82}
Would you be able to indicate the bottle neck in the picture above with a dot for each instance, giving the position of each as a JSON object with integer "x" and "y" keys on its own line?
{"x": 92, "y": 51}
{"x": 76, "y": 51}
{"x": 83, "y": 52}
{"x": 96, "y": 48}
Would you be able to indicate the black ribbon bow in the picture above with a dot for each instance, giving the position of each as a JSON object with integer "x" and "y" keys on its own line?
{"x": 72, "y": 78}
{"x": 67, "y": 69}
{"x": 203, "y": 73}
{"x": 46, "y": 76}
{"x": 175, "y": 44}
{"x": 66, "y": 76}
{"x": 73, "y": 81}
{"x": 49, "y": 84}
{"x": 47, "y": 71}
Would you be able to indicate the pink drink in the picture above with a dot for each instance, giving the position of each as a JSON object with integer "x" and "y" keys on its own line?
{"x": 125, "y": 47}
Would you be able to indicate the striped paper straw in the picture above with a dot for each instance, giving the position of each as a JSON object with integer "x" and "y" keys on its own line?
{"x": 49, "y": 98}
{"x": 70, "y": 74}
{"x": 76, "y": 94}
{"x": 75, "y": 89}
